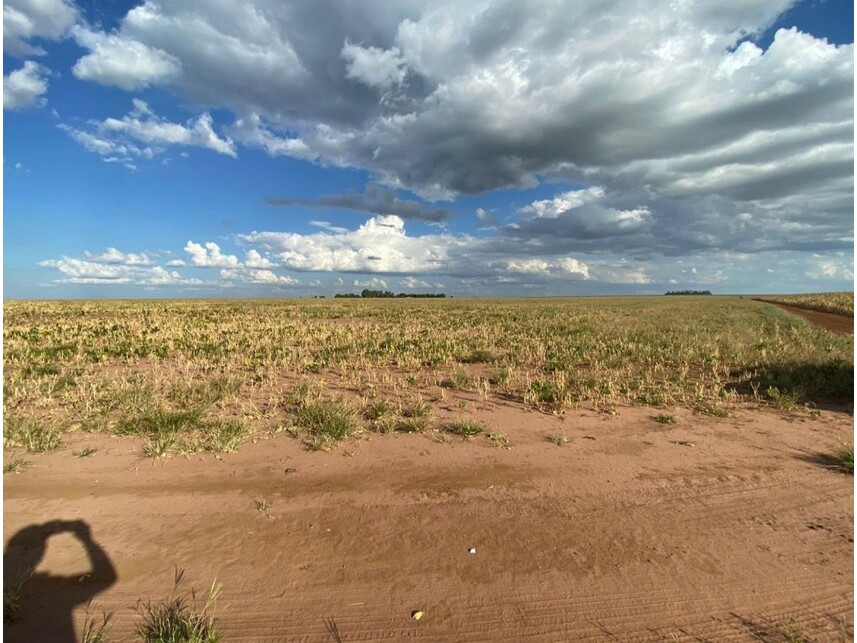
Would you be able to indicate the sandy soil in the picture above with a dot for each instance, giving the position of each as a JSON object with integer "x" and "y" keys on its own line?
{"x": 709, "y": 529}
{"x": 842, "y": 324}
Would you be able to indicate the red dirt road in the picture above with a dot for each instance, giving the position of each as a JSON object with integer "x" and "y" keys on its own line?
{"x": 841, "y": 324}
{"x": 729, "y": 529}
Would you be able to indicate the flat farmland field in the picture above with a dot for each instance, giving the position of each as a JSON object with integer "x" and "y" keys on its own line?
{"x": 635, "y": 469}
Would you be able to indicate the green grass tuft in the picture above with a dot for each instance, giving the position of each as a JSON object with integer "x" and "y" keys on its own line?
{"x": 37, "y": 436}
{"x": 94, "y": 632}
{"x": 161, "y": 422}
{"x": 12, "y": 593}
{"x": 224, "y": 436}
{"x": 412, "y": 424}
{"x": 416, "y": 410}
{"x": 465, "y": 428}
{"x": 15, "y": 466}
{"x": 327, "y": 419}
{"x": 376, "y": 410}
{"x": 845, "y": 458}
{"x": 500, "y": 439}
{"x": 177, "y": 620}
{"x": 558, "y": 439}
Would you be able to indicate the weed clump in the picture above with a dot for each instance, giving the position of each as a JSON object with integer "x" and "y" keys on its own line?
{"x": 558, "y": 439}
{"x": 177, "y": 620}
{"x": 327, "y": 420}
{"x": 37, "y": 436}
{"x": 15, "y": 466}
{"x": 12, "y": 593}
{"x": 845, "y": 458}
{"x": 465, "y": 428}
{"x": 184, "y": 432}
{"x": 412, "y": 424}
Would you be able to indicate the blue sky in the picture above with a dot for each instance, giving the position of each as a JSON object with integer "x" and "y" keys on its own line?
{"x": 266, "y": 148}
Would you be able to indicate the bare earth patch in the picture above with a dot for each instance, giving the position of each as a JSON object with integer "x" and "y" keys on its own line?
{"x": 707, "y": 528}
{"x": 842, "y": 324}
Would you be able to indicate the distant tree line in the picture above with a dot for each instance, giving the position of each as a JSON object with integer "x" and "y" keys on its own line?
{"x": 689, "y": 292}
{"x": 380, "y": 294}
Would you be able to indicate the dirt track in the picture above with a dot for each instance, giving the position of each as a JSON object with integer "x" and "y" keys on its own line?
{"x": 709, "y": 529}
{"x": 830, "y": 321}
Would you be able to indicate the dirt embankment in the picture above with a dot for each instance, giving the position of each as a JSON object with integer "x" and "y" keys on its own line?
{"x": 842, "y": 324}
{"x": 727, "y": 529}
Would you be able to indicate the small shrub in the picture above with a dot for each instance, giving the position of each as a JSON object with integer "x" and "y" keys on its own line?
{"x": 501, "y": 440}
{"x": 558, "y": 439}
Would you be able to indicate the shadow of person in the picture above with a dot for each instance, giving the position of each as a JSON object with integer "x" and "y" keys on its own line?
{"x": 47, "y": 602}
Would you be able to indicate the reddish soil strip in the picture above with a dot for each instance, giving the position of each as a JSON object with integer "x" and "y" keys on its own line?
{"x": 842, "y": 324}
{"x": 733, "y": 529}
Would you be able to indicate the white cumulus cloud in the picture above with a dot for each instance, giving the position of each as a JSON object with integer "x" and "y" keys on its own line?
{"x": 25, "y": 87}
{"x": 26, "y": 20}
{"x": 209, "y": 256}
{"x": 142, "y": 134}
{"x": 121, "y": 62}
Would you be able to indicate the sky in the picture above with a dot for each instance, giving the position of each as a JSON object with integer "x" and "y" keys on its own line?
{"x": 270, "y": 148}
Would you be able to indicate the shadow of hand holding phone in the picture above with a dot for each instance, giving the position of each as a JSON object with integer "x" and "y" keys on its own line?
{"x": 46, "y": 603}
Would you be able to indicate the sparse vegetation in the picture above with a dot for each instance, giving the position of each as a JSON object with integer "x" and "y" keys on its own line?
{"x": 500, "y": 439}
{"x": 204, "y": 375}
{"x": 12, "y": 593}
{"x": 416, "y": 424}
{"x": 664, "y": 418}
{"x": 262, "y": 505}
{"x": 177, "y": 620}
{"x": 37, "y": 436}
{"x": 465, "y": 428}
{"x": 95, "y": 631}
{"x": 15, "y": 466}
{"x": 327, "y": 420}
{"x": 377, "y": 409}
{"x": 85, "y": 452}
{"x": 558, "y": 439}
{"x": 709, "y": 408}
{"x": 845, "y": 458}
